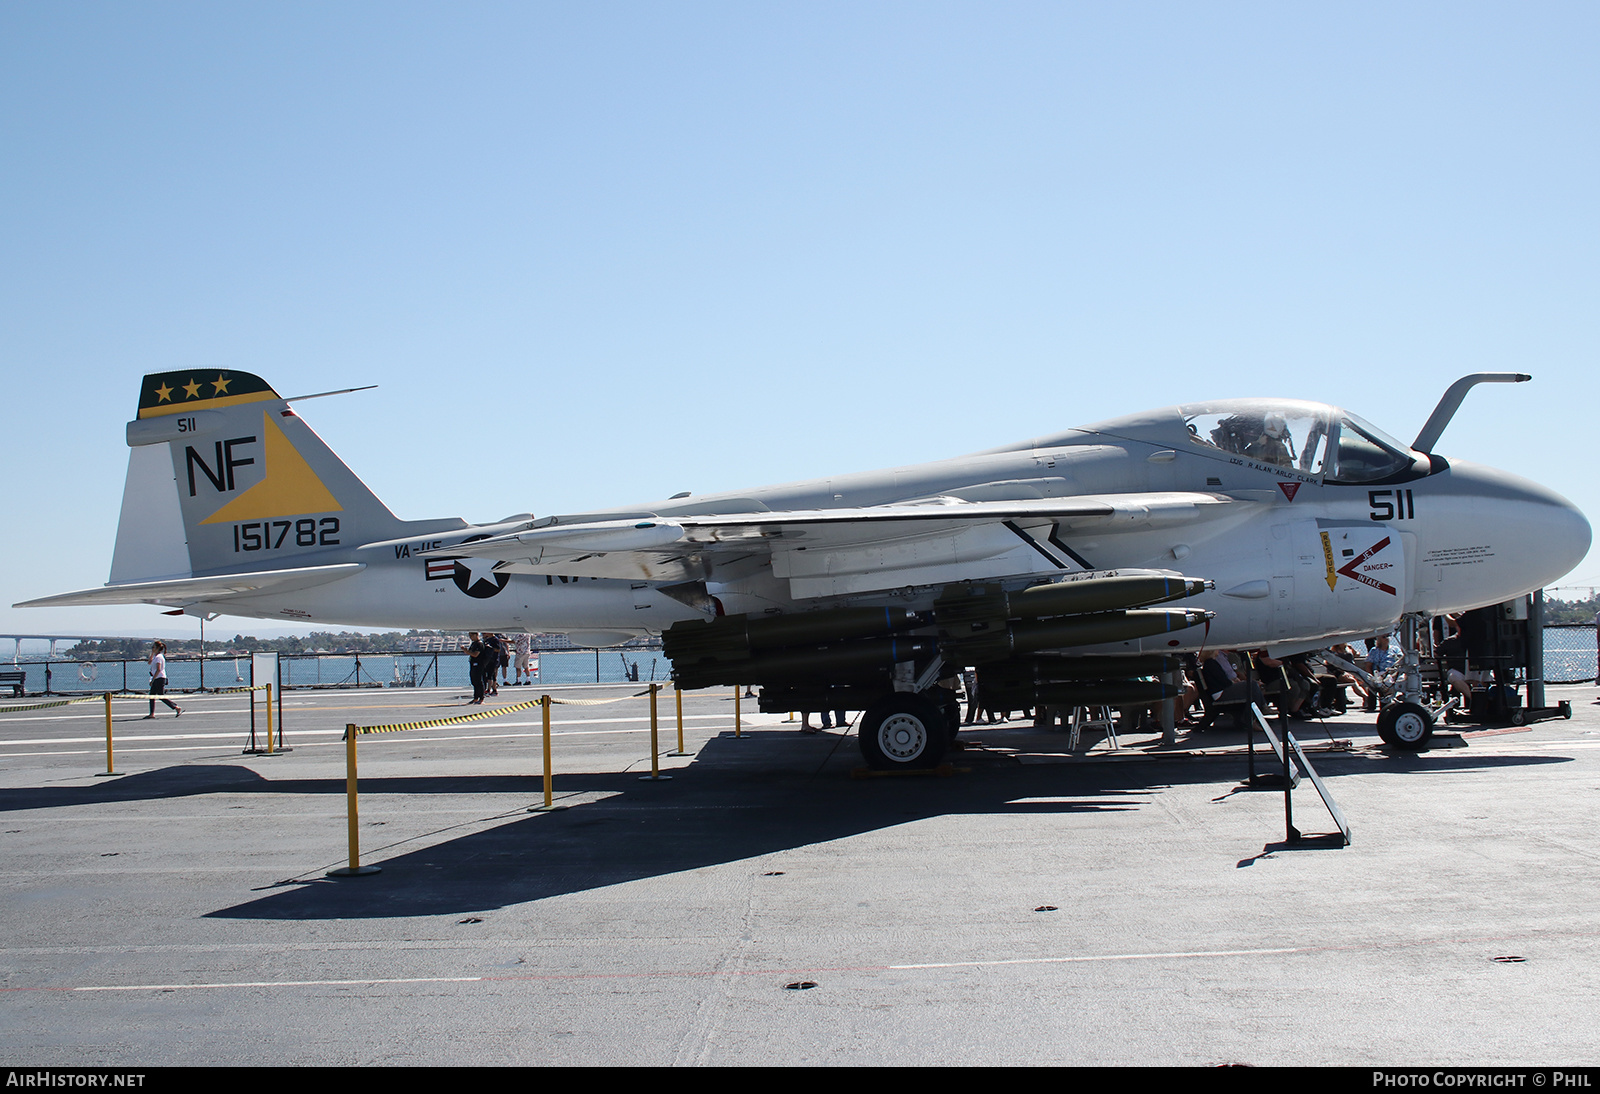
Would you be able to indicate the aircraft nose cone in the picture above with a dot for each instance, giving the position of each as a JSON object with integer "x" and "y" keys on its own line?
{"x": 1557, "y": 533}
{"x": 1546, "y": 533}
{"x": 1567, "y": 534}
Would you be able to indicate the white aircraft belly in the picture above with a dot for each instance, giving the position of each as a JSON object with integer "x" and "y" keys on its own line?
{"x": 400, "y": 596}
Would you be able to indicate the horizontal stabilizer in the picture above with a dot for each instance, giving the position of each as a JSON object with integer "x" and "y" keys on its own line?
{"x": 190, "y": 590}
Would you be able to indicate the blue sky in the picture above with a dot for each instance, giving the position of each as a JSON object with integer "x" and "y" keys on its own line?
{"x": 597, "y": 253}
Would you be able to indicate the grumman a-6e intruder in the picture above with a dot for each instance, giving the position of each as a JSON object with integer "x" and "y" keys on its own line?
{"x": 1278, "y": 523}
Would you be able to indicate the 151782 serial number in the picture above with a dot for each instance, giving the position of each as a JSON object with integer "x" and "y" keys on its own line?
{"x": 273, "y": 535}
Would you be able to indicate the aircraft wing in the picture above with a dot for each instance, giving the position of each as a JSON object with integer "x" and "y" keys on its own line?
{"x": 834, "y": 551}
{"x": 183, "y": 591}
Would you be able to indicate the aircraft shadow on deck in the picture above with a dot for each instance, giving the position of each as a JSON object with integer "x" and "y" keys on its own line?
{"x": 712, "y": 813}
{"x": 188, "y": 781}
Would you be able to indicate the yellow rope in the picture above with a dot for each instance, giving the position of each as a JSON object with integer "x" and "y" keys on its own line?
{"x": 481, "y": 715}
{"x": 100, "y": 697}
{"x": 432, "y": 723}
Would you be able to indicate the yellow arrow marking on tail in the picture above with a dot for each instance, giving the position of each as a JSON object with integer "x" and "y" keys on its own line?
{"x": 288, "y": 486}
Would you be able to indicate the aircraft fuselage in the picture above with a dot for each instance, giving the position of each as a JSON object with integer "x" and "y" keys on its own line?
{"x": 1296, "y": 559}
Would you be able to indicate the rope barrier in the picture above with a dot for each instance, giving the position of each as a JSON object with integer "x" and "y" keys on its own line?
{"x": 598, "y": 702}
{"x": 434, "y": 723}
{"x": 143, "y": 696}
{"x": 353, "y": 731}
{"x": 101, "y": 696}
{"x": 480, "y": 715}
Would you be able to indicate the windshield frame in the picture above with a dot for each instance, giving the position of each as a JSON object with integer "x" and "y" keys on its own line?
{"x": 1407, "y": 463}
{"x": 1321, "y": 427}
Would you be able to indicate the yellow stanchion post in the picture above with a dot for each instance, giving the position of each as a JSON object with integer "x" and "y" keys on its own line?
{"x": 549, "y": 805}
{"x": 352, "y": 824}
{"x": 737, "y": 722}
{"x": 109, "y": 769}
{"x": 655, "y": 742}
{"x": 677, "y": 695}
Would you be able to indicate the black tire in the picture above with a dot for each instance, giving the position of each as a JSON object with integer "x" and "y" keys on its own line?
{"x": 902, "y": 732}
{"x": 1406, "y": 726}
{"x": 1519, "y": 717}
{"x": 952, "y": 717}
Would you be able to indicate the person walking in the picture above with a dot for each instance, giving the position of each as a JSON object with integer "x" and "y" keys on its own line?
{"x": 158, "y": 679}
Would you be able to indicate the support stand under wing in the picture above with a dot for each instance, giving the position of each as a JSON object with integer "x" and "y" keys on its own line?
{"x": 1292, "y": 834}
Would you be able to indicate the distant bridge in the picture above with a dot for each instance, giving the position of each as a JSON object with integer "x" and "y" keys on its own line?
{"x": 18, "y": 639}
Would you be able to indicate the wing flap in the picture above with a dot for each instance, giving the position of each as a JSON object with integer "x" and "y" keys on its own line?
{"x": 191, "y": 590}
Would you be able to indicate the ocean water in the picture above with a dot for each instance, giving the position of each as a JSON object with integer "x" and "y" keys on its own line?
{"x": 452, "y": 669}
{"x": 1569, "y": 658}
{"x": 330, "y": 670}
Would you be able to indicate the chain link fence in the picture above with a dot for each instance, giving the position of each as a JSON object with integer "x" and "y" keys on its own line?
{"x": 1569, "y": 655}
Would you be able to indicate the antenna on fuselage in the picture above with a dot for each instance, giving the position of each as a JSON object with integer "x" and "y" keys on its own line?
{"x": 1452, "y": 402}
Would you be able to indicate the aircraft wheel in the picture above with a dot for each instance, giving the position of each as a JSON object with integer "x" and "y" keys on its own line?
{"x": 901, "y": 732}
{"x": 1406, "y": 726}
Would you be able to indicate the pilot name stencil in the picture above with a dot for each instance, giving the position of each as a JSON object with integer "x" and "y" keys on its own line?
{"x": 1458, "y": 556}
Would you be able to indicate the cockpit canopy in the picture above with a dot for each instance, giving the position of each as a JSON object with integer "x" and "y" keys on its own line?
{"x": 1312, "y": 438}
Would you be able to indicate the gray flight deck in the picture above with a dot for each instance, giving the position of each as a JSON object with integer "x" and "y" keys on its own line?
{"x": 178, "y": 914}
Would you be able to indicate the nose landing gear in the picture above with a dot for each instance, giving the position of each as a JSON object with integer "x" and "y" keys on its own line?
{"x": 1406, "y": 726}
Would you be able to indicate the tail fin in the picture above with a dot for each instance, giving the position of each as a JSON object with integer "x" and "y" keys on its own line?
{"x": 225, "y": 476}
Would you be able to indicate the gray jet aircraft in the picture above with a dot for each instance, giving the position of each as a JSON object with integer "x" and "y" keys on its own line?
{"x": 1044, "y": 564}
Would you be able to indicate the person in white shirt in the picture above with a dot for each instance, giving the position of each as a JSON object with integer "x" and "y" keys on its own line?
{"x": 523, "y": 653}
{"x": 158, "y": 679}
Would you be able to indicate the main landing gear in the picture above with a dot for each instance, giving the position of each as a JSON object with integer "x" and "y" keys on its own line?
{"x": 903, "y": 731}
